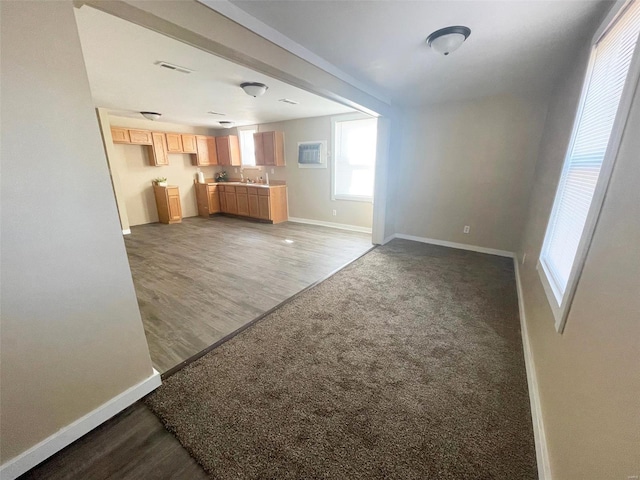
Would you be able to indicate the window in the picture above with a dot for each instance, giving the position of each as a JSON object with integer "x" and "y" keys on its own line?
{"x": 354, "y": 157}
{"x": 247, "y": 147}
{"x": 589, "y": 161}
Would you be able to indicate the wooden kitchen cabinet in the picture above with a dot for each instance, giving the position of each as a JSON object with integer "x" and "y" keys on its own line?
{"x": 242, "y": 199}
{"x": 205, "y": 151}
{"x": 168, "y": 204}
{"x": 120, "y": 135}
{"x": 230, "y": 200}
{"x": 253, "y": 203}
{"x": 174, "y": 143}
{"x": 142, "y": 137}
{"x": 269, "y": 148}
{"x": 207, "y": 198}
{"x": 157, "y": 151}
{"x": 228, "y": 149}
{"x": 188, "y": 143}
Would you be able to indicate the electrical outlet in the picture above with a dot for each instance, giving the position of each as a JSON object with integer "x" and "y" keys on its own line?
{"x": 335, "y": 212}
{"x": 273, "y": 170}
{"x": 466, "y": 229}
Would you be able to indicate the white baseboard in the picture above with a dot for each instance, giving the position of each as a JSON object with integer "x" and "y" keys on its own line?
{"x": 388, "y": 239}
{"x": 542, "y": 452}
{"x": 460, "y": 246}
{"x": 25, "y": 461}
{"x": 341, "y": 226}
{"x": 126, "y": 231}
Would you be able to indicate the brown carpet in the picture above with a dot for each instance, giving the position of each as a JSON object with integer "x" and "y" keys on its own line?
{"x": 407, "y": 364}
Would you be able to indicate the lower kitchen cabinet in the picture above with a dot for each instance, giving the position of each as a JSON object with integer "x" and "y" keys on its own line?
{"x": 207, "y": 198}
{"x": 168, "y": 204}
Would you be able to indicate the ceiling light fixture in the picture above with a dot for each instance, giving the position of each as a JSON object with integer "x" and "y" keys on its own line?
{"x": 290, "y": 102}
{"x": 254, "y": 89}
{"x": 449, "y": 39}
{"x": 226, "y": 124}
{"x": 211, "y": 112}
{"x": 151, "y": 115}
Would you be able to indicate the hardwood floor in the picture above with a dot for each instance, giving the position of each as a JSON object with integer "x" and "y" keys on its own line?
{"x": 196, "y": 282}
{"x": 132, "y": 445}
{"x": 200, "y": 280}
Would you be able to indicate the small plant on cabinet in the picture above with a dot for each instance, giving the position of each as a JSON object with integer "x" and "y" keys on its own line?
{"x": 160, "y": 181}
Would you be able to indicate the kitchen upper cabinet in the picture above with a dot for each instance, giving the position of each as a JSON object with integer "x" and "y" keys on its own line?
{"x": 205, "y": 151}
{"x": 120, "y": 135}
{"x": 269, "y": 148}
{"x": 142, "y": 137}
{"x": 189, "y": 143}
{"x": 228, "y": 149}
{"x": 158, "y": 154}
{"x": 174, "y": 142}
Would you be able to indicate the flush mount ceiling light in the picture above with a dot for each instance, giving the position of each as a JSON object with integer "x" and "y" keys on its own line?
{"x": 254, "y": 89}
{"x": 449, "y": 39}
{"x": 151, "y": 115}
{"x": 226, "y": 124}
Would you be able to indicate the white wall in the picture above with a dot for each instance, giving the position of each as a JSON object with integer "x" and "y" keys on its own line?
{"x": 72, "y": 337}
{"x": 589, "y": 376}
{"x": 468, "y": 163}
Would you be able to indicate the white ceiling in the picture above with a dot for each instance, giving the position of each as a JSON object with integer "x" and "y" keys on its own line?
{"x": 515, "y": 46}
{"x": 120, "y": 60}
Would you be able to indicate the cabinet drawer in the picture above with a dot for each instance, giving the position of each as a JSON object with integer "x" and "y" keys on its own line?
{"x": 263, "y": 191}
{"x": 173, "y": 191}
{"x": 140, "y": 137}
{"x": 241, "y": 190}
{"x": 229, "y": 189}
{"x": 221, "y": 188}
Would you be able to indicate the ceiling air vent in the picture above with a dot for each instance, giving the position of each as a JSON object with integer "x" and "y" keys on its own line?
{"x": 171, "y": 66}
{"x": 290, "y": 102}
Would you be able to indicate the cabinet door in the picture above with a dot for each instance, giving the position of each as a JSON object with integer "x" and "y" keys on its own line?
{"x": 214, "y": 199}
{"x": 222, "y": 149}
{"x": 223, "y": 199}
{"x": 120, "y": 135}
{"x": 243, "y": 204}
{"x": 232, "y": 206}
{"x": 175, "y": 210}
{"x": 158, "y": 151}
{"x": 189, "y": 143}
{"x": 213, "y": 153}
{"x": 202, "y": 147}
{"x": 254, "y": 210}
{"x": 234, "y": 150}
{"x": 264, "y": 210}
{"x": 141, "y": 137}
{"x": 174, "y": 142}
{"x": 268, "y": 146}
{"x": 259, "y": 148}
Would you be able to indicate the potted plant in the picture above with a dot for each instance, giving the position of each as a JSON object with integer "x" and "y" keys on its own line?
{"x": 221, "y": 176}
{"x": 160, "y": 181}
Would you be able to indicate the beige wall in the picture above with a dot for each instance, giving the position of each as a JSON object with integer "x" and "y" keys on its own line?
{"x": 309, "y": 189}
{"x": 468, "y": 163}
{"x": 132, "y": 167}
{"x": 589, "y": 376}
{"x": 72, "y": 337}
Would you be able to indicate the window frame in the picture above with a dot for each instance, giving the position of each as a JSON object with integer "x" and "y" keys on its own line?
{"x": 347, "y": 197}
{"x": 561, "y": 303}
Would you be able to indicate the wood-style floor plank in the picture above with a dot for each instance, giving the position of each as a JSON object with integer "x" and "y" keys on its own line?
{"x": 200, "y": 280}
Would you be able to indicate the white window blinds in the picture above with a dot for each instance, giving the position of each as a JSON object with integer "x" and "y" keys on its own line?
{"x": 610, "y": 67}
